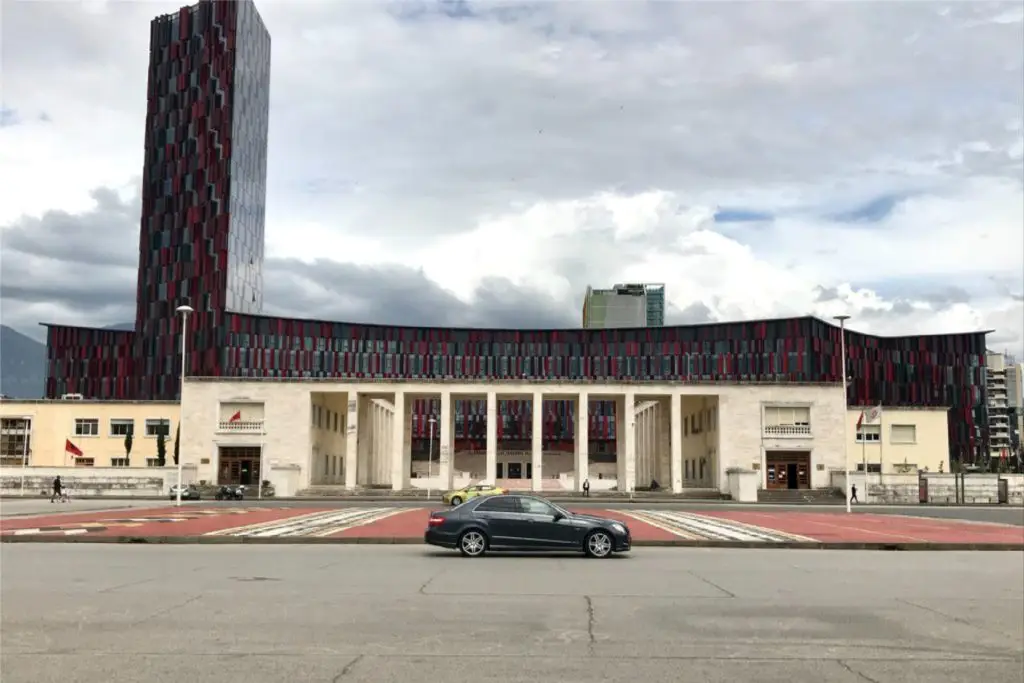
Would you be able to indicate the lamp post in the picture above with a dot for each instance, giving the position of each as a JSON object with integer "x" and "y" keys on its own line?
{"x": 846, "y": 427}
{"x": 430, "y": 454}
{"x": 184, "y": 311}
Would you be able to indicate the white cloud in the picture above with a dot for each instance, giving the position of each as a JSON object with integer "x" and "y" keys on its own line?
{"x": 566, "y": 143}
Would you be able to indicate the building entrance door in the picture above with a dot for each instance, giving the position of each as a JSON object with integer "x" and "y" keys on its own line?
{"x": 788, "y": 469}
{"x": 515, "y": 470}
{"x": 238, "y": 465}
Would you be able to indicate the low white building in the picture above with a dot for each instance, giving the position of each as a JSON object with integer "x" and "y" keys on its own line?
{"x": 303, "y": 433}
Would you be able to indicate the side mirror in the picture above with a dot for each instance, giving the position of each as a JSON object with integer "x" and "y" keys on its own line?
{"x": 559, "y": 517}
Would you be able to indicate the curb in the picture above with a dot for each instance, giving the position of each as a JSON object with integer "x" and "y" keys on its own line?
{"x": 397, "y": 540}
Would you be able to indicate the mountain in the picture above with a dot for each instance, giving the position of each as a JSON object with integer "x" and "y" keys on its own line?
{"x": 22, "y": 365}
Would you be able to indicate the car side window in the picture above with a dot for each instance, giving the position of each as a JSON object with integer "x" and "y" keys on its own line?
{"x": 532, "y": 506}
{"x": 498, "y": 504}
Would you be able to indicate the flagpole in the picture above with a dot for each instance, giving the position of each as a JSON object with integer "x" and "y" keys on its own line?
{"x": 881, "y": 443}
{"x": 24, "y": 455}
{"x": 846, "y": 422}
{"x": 864, "y": 454}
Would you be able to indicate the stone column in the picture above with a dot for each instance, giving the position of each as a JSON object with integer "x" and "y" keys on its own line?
{"x": 492, "y": 436}
{"x": 400, "y": 457}
{"x": 352, "y": 442}
{"x": 629, "y": 404}
{"x": 537, "y": 456}
{"x": 582, "y": 439}
{"x": 446, "y": 455}
{"x": 676, "y": 443}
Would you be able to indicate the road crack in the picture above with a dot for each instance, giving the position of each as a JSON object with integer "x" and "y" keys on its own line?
{"x": 166, "y": 610}
{"x": 711, "y": 583}
{"x": 348, "y": 669}
{"x": 591, "y": 637}
{"x": 856, "y": 673}
{"x": 422, "y": 590}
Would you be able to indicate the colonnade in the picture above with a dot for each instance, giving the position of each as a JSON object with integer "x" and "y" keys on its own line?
{"x": 378, "y": 435}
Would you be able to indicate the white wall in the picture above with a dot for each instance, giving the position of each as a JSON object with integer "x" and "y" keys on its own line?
{"x": 95, "y": 481}
{"x": 979, "y": 489}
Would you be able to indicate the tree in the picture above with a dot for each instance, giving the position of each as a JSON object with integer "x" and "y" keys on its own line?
{"x": 177, "y": 443}
{"x": 161, "y": 449}
{"x": 128, "y": 447}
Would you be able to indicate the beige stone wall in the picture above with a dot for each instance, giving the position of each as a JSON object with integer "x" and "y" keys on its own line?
{"x": 740, "y": 430}
{"x": 733, "y": 438}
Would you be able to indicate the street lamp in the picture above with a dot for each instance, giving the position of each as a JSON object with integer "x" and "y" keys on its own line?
{"x": 846, "y": 427}
{"x": 184, "y": 311}
{"x": 430, "y": 453}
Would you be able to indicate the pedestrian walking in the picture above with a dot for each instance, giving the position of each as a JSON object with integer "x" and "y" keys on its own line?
{"x": 57, "y": 489}
{"x": 853, "y": 493}
{"x": 586, "y": 488}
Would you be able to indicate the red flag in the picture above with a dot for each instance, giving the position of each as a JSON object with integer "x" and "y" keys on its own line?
{"x": 71, "y": 448}
{"x": 236, "y": 417}
{"x": 860, "y": 420}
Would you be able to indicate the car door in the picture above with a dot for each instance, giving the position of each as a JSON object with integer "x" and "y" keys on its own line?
{"x": 503, "y": 520}
{"x": 542, "y": 528}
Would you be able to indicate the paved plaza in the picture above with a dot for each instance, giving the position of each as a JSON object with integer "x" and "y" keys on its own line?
{"x": 293, "y": 520}
{"x": 393, "y": 614}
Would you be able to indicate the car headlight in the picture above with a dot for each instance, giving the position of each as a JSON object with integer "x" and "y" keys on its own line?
{"x": 619, "y": 528}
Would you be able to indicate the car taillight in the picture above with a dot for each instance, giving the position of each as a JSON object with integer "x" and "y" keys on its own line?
{"x": 435, "y": 520}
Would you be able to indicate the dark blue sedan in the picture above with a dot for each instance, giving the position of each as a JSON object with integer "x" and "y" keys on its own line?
{"x": 521, "y": 522}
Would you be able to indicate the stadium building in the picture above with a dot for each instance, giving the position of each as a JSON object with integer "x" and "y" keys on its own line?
{"x": 201, "y": 242}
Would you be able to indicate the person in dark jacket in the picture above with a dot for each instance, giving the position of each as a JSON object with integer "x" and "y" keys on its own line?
{"x": 58, "y": 489}
{"x": 586, "y": 487}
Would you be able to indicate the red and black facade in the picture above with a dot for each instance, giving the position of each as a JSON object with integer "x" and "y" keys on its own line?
{"x": 201, "y": 243}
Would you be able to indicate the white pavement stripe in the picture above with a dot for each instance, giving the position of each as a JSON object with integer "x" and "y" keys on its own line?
{"x": 640, "y": 516}
{"x": 362, "y": 522}
{"x": 306, "y": 527}
{"x": 238, "y": 530}
{"x": 715, "y": 529}
{"x": 690, "y": 525}
{"x": 278, "y": 526}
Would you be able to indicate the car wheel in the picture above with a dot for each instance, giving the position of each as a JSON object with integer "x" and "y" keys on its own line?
{"x": 598, "y": 544}
{"x": 456, "y": 500}
{"x": 472, "y": 543}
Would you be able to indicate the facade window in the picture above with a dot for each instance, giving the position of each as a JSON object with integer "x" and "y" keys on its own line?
{"x": 903, "y": 434}
{"x": 87, "y": 427}
{"x": 15, "y": 441}
{"x": 158, "y": 426}
{"x": 869, "y": 434}
{"x": 787, "y": 416}
{"x": 121, "y": 427}
{"x": 873, "y": 467}
{"x": 119, "y": 462}
{"x": 85, "y": 462}
{"x": 152, "y": 462}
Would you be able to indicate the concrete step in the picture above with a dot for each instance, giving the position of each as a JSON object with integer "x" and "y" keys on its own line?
{"x": 326, "y": 491}
{"x": 801, "y": 496}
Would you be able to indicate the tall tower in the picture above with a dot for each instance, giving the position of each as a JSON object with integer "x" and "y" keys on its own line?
{"x": 204, "y": 185}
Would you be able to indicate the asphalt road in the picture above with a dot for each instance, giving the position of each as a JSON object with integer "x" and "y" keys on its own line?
{"x": 373, "y": 614}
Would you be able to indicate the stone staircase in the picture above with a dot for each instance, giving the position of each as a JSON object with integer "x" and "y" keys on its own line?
{"x": 339, "y": 491}
{"x": 801, "y": 496}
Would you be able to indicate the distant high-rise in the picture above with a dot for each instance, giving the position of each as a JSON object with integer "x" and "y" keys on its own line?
{"x": 629, "y": 305}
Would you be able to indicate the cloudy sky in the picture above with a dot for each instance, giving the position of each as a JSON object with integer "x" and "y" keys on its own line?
{"x": 481, "y": 163}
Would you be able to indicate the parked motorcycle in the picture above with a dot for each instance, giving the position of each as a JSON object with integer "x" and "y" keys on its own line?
{"x": 230, "y": 493}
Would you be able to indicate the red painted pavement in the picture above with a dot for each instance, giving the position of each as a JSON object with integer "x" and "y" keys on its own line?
{"x": 116, "y": 522}
{"x": 868, "y": 528}
{"x": 412, "y": 524}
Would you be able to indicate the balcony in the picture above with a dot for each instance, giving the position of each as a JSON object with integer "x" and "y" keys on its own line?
{"x": 787, "y": 431}
{"x": 240, "y": 427}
